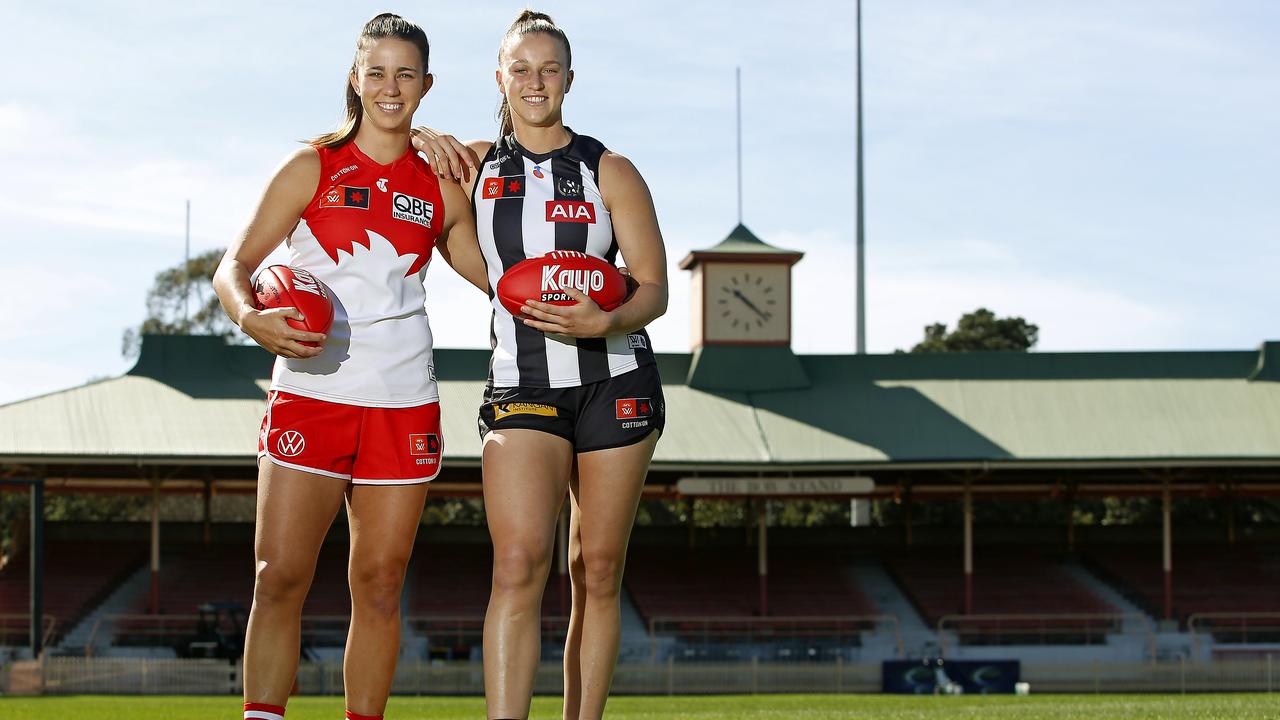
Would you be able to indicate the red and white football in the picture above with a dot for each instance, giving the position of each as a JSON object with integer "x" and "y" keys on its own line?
{"x": 285, "y": 286}
{"x": 542, "y": 278}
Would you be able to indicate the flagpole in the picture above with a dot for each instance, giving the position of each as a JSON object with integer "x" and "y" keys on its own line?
{"x": 737, "y": 81}
{"x": 862, "y": 256}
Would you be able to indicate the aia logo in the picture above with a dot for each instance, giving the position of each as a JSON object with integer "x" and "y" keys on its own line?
{"x": 291, "y": 443}
{"x": 578, "y": 211}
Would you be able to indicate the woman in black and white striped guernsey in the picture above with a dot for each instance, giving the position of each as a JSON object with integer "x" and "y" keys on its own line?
{"x": 574, "y": 401}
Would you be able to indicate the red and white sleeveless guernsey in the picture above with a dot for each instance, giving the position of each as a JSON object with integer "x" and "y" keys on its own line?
{"x": 368, "y": 235}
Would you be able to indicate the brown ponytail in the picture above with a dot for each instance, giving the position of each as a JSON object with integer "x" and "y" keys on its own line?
{"x": 526, "y": 23}
{"x": 385, "y": 25}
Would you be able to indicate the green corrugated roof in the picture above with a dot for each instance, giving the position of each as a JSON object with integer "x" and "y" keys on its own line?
{"x": 200, "y": 400}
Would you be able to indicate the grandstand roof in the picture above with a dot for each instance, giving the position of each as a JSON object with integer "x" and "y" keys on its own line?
{"x": 197, "y": 400}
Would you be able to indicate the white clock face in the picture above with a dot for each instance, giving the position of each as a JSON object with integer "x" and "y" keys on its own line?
{"x": 747, "y": 302}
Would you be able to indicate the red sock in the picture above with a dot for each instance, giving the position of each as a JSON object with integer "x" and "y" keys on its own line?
{"x": 263, "y": 711}
{"x": 357, "y": 716}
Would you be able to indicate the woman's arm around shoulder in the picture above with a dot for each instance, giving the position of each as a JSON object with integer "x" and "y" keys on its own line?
{"x": 279, "y": 209}
{"x": 448, "y": 156}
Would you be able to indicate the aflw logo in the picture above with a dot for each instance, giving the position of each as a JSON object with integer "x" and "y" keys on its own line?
{"x": 578, "y": 211}
{"x": 412, "y": 209}
{"x": 586, "y": 281}
{"x": 303, "y": 280}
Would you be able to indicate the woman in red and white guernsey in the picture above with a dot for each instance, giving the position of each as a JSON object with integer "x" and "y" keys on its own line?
{"x": 571, "y": 387}
{"x": 354, "y": 420}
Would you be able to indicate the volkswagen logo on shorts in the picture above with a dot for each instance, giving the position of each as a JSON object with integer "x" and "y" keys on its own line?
{"x": 290, "y": 443}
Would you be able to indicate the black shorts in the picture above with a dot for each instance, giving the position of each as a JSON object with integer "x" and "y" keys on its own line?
{"x": 616, "y": 412}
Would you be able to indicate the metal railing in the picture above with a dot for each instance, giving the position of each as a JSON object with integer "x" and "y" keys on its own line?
{"x": 715, "y": 630}
{"x": 1042, "y": 629}
{"x": 78, "y": 675}
{"x": 1234, "y": 628}
{"x": 15, "y": 629}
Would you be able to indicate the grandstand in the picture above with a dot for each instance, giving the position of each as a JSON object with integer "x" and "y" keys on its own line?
{"x": 756, "y": 425}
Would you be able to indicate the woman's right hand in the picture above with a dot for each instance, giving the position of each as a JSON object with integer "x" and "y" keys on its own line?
{"x": 448, "y": 156}
{"x": 270, "y": 329}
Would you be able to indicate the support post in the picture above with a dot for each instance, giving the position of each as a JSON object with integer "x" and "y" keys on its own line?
{"x": 1167, "y": 546}
{"x": 907, "y": 506}
{"x": 693, "y": 524}
{"x": 206, "y": 534}
{"x": 1231, "y": 514}
{"x": 153, "y": 601}
{"x": 968, "y": 548}
{"x": 37, "y": 567}
{"x": 762, "y": 555}
{"x": 1071, "y": 519}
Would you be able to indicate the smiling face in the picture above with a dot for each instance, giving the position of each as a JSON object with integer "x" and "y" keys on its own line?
{"x": 533, "y": 75}
{"x": 390, "y": 81}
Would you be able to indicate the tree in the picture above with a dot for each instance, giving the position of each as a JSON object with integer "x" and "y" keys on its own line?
{"x": 167, "y": 304}
{"x": 980, "y": 330}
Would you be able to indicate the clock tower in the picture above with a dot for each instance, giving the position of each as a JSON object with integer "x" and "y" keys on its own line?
{"x": 741, "y": 292}
{"x": 741, "y": 315}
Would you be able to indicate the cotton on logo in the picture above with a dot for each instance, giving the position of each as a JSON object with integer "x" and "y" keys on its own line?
{"x": 290, "y": 443}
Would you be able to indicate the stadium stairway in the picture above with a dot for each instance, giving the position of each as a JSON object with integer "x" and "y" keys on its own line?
{"x": 635, "y": 642}
{"x": 1104, "y": 591}
{"x": 120, "y": 601}
{"x": 918, "y": 639}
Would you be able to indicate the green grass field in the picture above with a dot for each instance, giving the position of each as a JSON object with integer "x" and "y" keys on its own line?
{"x": 816, "y": 707}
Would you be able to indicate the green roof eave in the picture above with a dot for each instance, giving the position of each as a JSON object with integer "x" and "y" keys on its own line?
{"x": 741, "y": 242}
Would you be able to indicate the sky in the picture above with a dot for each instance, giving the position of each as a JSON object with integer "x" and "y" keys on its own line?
{"x": 1106, "y": 170}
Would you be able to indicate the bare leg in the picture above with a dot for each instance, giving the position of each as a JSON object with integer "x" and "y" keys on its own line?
{"x": 573, "y": 638}
{"x": 295, "y": 510}
{"x": 609, "y": 485}
{"x": 384, "y": 521}
{"x": 525, "y": 476}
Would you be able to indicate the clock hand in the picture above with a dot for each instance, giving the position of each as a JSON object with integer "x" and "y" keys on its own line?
{"x": 763, "y": 315}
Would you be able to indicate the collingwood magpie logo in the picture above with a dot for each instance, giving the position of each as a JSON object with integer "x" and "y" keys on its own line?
{"x": 412, "y": 209}
{"x": 569, "y": 188}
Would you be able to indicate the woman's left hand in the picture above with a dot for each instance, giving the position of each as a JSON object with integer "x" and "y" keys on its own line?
{"x": 448, "y": 156}
{"x": 582, "y": 320}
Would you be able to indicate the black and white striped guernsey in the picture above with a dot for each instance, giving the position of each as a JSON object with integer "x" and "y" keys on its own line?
{"x": 526, "y": 205}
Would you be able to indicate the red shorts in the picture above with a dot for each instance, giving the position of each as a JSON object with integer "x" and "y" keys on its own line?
{"x": 366, "y": 445}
